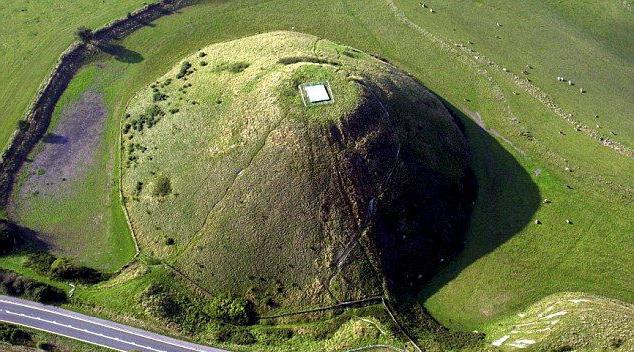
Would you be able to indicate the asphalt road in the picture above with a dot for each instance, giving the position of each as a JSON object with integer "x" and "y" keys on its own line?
{"x": 89, "y": 329}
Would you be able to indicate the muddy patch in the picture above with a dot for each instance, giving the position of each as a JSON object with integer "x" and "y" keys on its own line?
{"x": 69, "y": 149}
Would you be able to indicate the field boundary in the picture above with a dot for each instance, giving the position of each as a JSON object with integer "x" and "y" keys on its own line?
{"x": 38, "y": 115}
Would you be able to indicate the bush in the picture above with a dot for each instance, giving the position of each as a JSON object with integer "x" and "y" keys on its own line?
{"x": 40, "y": 262}
{"x": 61, "y": 268}
{"x": 276, "y": 336}
{"x": 23, "y": 125}
{"x": 15, "y": 285}
{"x": 14, "y": 335}
{"x": 234, "y": 67}
{"x": 184, "y": 70}
{"x": 84, "y": 34}
{"x": 170, "y": 241}
{"x": 231, "y": 334}
{"x": 162, "y": 187}
{"x": 64, "y": 269}
{"x": 170, "y": 306}
{"x": 158, "y": 96}
{"x": 242, "y": 337}
{"x": 235, "y": 311}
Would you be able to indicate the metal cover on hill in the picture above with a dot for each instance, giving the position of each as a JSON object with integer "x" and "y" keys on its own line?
{"x": 316, "y": 93}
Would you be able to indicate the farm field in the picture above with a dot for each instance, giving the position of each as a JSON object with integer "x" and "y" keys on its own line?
{"x": 555, "y": 206}
{"x": 33, "y": 35}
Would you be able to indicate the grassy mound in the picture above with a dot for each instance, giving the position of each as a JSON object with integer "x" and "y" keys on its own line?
{"x": 233, "y": 180}
{"x": 569, "y": 322}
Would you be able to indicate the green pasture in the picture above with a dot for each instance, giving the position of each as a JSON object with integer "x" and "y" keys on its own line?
{"x": 509, "y": 261}
{"x": 33, "y": 34}
{"x": 518, "y": 153}
{"x": 87, "y": 220}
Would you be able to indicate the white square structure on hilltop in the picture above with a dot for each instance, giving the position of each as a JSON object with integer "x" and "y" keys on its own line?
{"x": 317, "y": 93}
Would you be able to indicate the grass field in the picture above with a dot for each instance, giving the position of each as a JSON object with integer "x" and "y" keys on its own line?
{"x": 522, "y": 151}
{"x": 33, "y": 35}
{"x": 82, "y": 215}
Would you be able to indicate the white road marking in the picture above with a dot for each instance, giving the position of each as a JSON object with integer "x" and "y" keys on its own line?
{"x": 173, "y": 343}
{"x": 131, "y": 343}
{"x": 64, "y": 335}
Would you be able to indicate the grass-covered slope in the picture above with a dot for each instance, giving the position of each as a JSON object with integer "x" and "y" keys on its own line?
{"x": 568, "y": 322}
{"x": 229, "y": 176}
{"x": 33, "y": 34}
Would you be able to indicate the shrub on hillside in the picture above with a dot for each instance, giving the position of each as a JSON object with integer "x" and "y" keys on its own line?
{"x": 170, "y": 306}
{"x": 14, "y": 335}
{"x": 64, "y": 269}
{"x": 23, "y": 125}
{"x": 229, "y": 310}
{"x": 184, "y": 70}
{"x": 61, "y": 268}
{"x": 162, "y": 187}
{"x": 13, "y": 284}
{"x": 40, "y": 262}
{"x": 233, "y": 67}
{"x": 276, "y": 336}
{"x": 231, "y": 334}
{"x": 84, "y": 34}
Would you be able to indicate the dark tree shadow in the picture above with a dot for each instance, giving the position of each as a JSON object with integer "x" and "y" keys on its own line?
{"x": 506, "y": 200}
{"x": 122, "y": 53}
{"x": 52, "y": 138}
{"x": 30, "y": 240}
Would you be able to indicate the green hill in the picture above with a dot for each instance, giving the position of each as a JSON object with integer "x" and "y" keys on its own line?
{"x": 568, "y": 322}
{"x": 230, "y": 177}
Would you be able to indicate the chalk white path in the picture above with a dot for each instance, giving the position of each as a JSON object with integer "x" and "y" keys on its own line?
{"x": 91, "y": 330}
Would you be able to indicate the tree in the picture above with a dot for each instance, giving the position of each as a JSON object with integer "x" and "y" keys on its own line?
{"x": 84, "y": 33}
{"x": 23, "y": 125}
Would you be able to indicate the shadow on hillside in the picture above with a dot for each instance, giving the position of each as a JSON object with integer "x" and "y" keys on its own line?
{"x": 52, "y": 138}
{"x": 506, "y": 200}
{"x": 31, "y": 241}
{"x": 121, "y": 53}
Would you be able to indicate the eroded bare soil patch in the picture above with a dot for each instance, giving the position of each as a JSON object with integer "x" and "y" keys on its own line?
{"x": 69, "y": 149}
